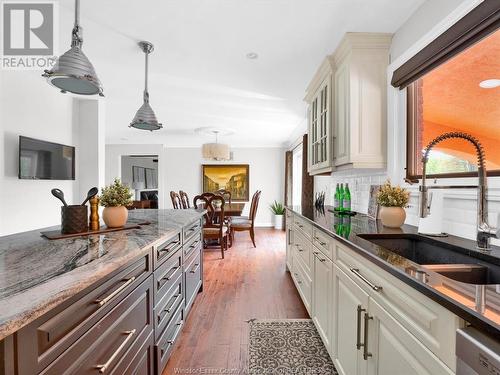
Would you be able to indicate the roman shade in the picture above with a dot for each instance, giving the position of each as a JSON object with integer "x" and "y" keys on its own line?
{"x": 480, "y": 22}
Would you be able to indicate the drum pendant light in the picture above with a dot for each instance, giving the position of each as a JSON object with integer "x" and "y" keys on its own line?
{"x": 73, "y": 72}
{"x": 145, "y": 118}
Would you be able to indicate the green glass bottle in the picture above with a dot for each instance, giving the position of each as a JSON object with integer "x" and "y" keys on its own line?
{"x": 336, "y": 198}
{"x": 347, "y": 198}
{"x": 341, "y": 197}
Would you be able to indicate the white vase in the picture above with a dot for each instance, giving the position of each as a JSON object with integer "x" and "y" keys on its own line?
{"x": 278, "y": 222}
{"x": 115, "y": 217}
{"x": 392, "y": 217}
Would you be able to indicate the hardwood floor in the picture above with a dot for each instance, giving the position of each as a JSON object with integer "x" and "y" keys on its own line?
{"x": 249, "y": 283}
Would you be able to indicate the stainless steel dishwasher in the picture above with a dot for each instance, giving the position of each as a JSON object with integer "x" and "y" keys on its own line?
{"x": 477, "y": 354}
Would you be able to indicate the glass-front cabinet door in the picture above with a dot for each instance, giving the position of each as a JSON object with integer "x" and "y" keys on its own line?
{"x": 320, "y": 133}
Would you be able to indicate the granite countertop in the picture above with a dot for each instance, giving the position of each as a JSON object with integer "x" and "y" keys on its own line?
{"x": 37, "y": 274}
{"x": 456, "y": 296}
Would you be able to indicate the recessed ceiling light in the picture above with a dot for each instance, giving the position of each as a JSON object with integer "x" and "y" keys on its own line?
{"x": 490, "y": 83}
{"x": 252, "y": 55}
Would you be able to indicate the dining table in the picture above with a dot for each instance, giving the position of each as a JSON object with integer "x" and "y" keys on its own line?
{"x": 232, "y": 209}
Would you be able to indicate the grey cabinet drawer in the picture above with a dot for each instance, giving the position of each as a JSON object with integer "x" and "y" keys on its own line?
{"x": 190, "y": 230}
{"x": 192, "y": 272}
{"x": 192, "y": 245}
{"x": 168, "y": 304}
{"x": 167, "y": 341}
{"x": 49, "y": 336}
{"x": 107, "y": 343}
{"x": 166, "y": 274}
{"x": 164, "y": 250}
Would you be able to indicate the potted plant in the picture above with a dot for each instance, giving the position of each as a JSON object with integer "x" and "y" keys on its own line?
{"x": 392, "y": 201}
{"x": 278, "y": 210}
{"x": 115, "y": 198}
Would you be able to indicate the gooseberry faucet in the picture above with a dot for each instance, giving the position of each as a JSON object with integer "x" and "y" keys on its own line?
{"x": 484, "y": 230}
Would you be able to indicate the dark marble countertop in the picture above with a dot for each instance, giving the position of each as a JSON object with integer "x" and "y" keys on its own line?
{"x": 456, "y": 296}
{"x": 37, "y": 274}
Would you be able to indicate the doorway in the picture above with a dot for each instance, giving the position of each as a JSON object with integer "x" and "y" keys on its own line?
{"x": 140, "y": 173}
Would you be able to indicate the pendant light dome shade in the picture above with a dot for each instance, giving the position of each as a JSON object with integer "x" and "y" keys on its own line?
{"x": 73, "y": 72}
{"x": 145, "y": 118}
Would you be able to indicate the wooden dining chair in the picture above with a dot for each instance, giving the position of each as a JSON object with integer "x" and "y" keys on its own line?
{"x": 184, "y": 199}
{"x": 242, "y": 223}
{"x": 176, "y": 200}
{"x": 214, "y": 227}
{"x": 226, "y": 194}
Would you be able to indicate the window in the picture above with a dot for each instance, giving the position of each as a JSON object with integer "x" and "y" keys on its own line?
{"x": 462, "y": 94}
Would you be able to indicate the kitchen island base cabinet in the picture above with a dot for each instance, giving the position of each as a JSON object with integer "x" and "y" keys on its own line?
{"x": 125, "y": 323}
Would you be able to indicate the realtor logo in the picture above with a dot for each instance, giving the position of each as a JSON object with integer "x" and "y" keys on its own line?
{"x": 30, "y": 34}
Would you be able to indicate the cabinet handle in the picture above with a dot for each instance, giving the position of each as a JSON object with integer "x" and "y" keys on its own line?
{"x": 320, "y": 242}
{"x": 370, "y": 284}
{"x": 171, "y": 273}
{"x": 176, "y": 334}
{"x": 169, "y": 247}
{"x": 169, "y": 309}
{"x": 366, "y": 354}
{"x": 358, "y": 328}
{"x": 195, "y": 243}
{"x": 102, "y": 368}
{"x": 195, "y": 268}
{"x": 102, "y": 302}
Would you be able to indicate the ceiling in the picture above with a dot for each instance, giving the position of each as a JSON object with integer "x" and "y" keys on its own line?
{"x": 199, "y": 73}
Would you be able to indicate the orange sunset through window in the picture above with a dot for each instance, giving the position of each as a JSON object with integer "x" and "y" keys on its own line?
{"x": 450, "y": 98}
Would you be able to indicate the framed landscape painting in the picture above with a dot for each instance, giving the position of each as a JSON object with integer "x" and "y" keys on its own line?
{"x": 232, "y": 177}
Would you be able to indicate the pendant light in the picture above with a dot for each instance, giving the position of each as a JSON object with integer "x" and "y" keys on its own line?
{"x": 73, "y": 72}
{"x": 145, "y": 118}
{"x": 216, "y": 151}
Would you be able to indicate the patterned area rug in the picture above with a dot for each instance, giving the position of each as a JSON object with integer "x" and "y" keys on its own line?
{"x": 287, "y": 347}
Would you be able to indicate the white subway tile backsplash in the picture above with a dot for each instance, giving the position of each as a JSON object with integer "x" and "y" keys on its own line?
{"x": 460, "y": 207}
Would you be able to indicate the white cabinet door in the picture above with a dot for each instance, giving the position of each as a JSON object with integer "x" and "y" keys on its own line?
{"x": 342, "y": 123}
{"x": 349, "y": 303}
{"x": 322, "y": 297}
{"x": 395, "y": 351}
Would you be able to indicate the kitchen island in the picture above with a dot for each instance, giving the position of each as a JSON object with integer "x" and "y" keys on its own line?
{"x": 108, "y": 302}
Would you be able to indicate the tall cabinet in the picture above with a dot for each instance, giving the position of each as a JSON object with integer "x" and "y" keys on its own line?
{"x": 346, "y": 100}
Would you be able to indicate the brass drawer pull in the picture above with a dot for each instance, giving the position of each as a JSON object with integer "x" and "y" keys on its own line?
{"x": 195, "y": 268}
{"x": 171, "y": 273}
{"x": 176, "y": 334}
{"x": 170, "y": 308}
{"x": 102, "y": 368}
{"x": 102, "y": 302}
{"x": 370, "y": 284}
{"x": 366, "y": 354}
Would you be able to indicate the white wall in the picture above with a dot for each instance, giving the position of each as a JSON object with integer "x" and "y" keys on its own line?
{"x": 428, "y": 22}
{"x": 32, "y": 108}
{"x": 180, "y": 169}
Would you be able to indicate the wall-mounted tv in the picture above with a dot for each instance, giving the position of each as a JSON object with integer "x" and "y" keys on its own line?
{"x": 41, "y": 160}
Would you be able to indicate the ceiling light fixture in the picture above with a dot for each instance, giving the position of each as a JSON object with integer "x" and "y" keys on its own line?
{"x": 73, "y": 72}
{"x": 216, "y": 151}
{"x": 145, "y": 118}
{"x": 252, "y": 55}
{"x": 489, "y": 83}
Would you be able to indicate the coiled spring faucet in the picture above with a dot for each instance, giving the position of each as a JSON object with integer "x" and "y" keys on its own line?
{"x": 484, "y": 230}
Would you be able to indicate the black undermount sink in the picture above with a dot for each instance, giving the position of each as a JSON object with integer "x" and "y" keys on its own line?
{"x": 448, "y": 260}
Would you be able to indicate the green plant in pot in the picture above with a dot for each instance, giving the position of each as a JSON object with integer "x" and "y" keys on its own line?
{"x": 115, "y": 198}
{"x": 278, "y": 210}
{"x": 392, "y": 201}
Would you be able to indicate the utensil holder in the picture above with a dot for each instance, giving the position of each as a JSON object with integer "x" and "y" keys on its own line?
{"x": 74, "y": 219}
